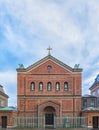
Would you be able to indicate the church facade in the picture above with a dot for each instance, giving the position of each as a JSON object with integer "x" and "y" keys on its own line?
{"x": 49, "y": 88}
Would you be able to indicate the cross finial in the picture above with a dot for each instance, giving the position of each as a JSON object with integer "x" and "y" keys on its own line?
{"x": 49, "y": 49}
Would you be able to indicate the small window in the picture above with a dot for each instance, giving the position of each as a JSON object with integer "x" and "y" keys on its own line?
{"x": 49, "y": 67}
{"x": 84, "y": 103}
{"x": 41, "y": 86}
{"x": 57, "y": 86}
{"x": 49, "y": 86}
{"x": 1, "y": 103}
{"x": 65, "y": 86}
{"x": 92, "y": 103}
{"x": 32, "y": 86}
{"x": 93, "y": 93}
{"x": 98, "y": 91}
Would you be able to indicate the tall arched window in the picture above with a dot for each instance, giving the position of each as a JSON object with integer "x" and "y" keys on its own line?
{"x": 40, "y": 86}
{"x": 49, "y": 86}
{"x": 32, "y": 86}
{"x": 65, "y": 86}
{"x": 57, "y": 86}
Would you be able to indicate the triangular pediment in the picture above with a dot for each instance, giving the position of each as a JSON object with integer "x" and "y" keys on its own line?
{"x": 49, "y": 60}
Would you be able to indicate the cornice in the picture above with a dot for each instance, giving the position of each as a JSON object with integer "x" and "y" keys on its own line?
{"x": 3, "y": 94}
{"x": 49, "y": 96}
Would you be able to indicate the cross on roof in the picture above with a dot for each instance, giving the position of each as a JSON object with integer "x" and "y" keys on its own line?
{"x": 49, "y": 49}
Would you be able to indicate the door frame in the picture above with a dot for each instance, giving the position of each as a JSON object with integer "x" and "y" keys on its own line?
{"x": 95, "y": 121}
{"x": 4, "y": 121}
{"x": 51, "y": 118}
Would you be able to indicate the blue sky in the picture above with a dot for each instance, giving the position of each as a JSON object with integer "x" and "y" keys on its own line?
{"x": 28, "y": 27}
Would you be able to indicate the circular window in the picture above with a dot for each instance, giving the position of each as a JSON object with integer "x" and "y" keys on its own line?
{"x": 49, "y": 67}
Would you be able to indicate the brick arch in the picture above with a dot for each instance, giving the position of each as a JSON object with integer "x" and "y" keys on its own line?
{"x": 49, "y": 110}
{"x": 55, "y": 106}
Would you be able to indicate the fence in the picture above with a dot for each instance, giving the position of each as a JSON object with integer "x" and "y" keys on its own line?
{"x": 59, "y": 122}
{"x": 70, "y": 122}
{"x": 28, "y": 122}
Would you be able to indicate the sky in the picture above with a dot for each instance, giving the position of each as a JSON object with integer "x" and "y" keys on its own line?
{"x": 29, "y": 27}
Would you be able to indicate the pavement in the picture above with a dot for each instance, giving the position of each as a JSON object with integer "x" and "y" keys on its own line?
{"x": 50, "y": 129}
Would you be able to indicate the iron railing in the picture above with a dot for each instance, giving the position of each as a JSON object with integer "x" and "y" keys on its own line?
{"x": 59, "y": 122}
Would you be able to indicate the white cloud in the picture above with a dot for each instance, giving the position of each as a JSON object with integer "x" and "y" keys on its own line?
{"x": 7, "y": 76}
{"x": 8, "y": 80}
{"x": 47, "y": 16}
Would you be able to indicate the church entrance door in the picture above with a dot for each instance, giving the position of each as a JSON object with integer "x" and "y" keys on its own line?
{"x": 49, "y": 119}
{"x": 49, "y": 116}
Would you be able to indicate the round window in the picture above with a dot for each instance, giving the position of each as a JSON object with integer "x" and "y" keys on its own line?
{"x": 49, "y": 67}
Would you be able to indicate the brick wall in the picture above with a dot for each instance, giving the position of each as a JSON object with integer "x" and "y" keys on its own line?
{"x": 69, "y": 100}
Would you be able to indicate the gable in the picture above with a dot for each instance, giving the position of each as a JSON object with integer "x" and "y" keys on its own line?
{"x": 49, "y": 67}
{"x": 49, "y": 64}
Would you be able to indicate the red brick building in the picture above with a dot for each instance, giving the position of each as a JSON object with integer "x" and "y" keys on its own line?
{"x": 6, "y": 114}
{"x": 92, "y": 114}
{"x": 90, "y": 110}
{"x": 49, "y": 88}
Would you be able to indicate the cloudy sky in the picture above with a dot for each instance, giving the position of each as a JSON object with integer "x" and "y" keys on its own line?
{"x": 28, "y": 27}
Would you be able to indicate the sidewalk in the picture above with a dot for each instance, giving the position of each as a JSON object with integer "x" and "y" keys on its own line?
{"x": 50, "y": 129}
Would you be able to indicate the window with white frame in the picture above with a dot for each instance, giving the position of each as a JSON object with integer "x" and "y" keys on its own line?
{"x": 32, "y": 86}
{"x": 92, "y": 103}
{"x": 49, "y": 86}
{"x": 40, "y": 86}
{"x": 57, "y": 86}
{"x": 65, "y": 86}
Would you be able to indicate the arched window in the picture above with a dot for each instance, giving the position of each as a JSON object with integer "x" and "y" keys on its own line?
{"x": 49, "y": 86}
{"x": 65, "y": 86}
{"x": 57, "y": 86}
{"x": 32, "y": 86}
{"x": 40, "y": 86}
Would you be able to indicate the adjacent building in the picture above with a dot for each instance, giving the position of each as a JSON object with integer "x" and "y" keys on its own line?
{"x": 89, "y": 101}
{"x": 6, "y": 113}
{"x": 6, "y": 116}
{"x": 3, "y": 97}
{"x": 90, "y": 105}
{"x": 94, "y": 89}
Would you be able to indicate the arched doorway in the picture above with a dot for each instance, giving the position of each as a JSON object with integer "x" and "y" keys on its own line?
{"x": 49, "y": 116}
